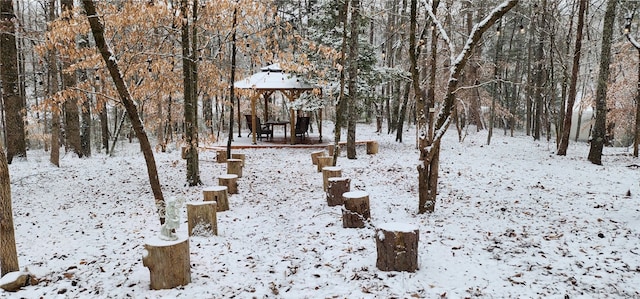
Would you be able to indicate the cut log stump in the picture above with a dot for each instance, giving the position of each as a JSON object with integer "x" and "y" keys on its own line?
{"x": 202, "y": 218}
{"x": 234, "y": 166}
{"x": 397, "y": 246}
{"x": 331, "y": 148}
{"x": 324, "y": 161}
{"x": 356, "y": 210}
{"x": 372, "y": 147}
{"x": 337, "y": 186}
{"x": 315, "y": 155}
{"x": 239, "y": 156}
{"x": 168, "y": 262}
{"x": 219, "y": 195}
{"x": 329, "y": 172}
{"x": 230, "y": 181}
{"x": 221, "y": 156}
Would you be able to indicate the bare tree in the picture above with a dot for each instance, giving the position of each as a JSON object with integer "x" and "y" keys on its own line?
{"x": 353, "y": 79}
{"x": 97, "y": 29}
{"x": 190, "y": 74}
{"x": 577, "y": 52}
{"x": 599, "y": 128}
{"x": 71, "y": 111}
{"x": 430, "y": 155}
{"x": 54, "y": 157}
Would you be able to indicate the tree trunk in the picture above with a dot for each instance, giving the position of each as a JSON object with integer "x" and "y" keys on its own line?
{"x": 13, "y": 103}
{"x": 575, "y": 68}
{"x": 428, "y": 170}
{"x": 636, "y": 140}
{"x": 475, "y": 102}
{"x": 428, "y": 178}
{"x": 54, "y": 157}
{"x": 232, "y": 79}
{"x": 352, "y": 106}
{"x": 71, "y": 110}
{"x": 104, "y": 126}
{"x": 341, "y": 106}
{"x": 599, "y": 128}
{"x": 190, "y": 73}
{"x": 112, "y": 65}
{"x": 539, "y": 74}
{"x": 496, "y": 85}
{"x": 8, "y": 253}
{"x": 431, "y": 90}
{"x": 403, "y": 111}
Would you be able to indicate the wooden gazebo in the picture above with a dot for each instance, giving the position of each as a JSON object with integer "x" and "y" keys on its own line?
{"x": 269, "y": 80}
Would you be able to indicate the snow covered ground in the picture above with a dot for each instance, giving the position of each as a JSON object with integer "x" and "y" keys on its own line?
{"x": 512, "y": 220}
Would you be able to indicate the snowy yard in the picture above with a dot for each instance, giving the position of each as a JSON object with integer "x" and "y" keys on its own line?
{"x": 512, "y": 220}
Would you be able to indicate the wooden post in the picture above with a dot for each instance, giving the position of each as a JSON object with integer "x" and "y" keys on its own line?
{"x": 168, "y": 262}
{"x": 230, "y": 181}
{"x": 234, "y": 166}
{"x": 202, "y": 218}
{"x": 315, "y": 155}
{"x": 217, "y": 194}
{"x": 335, "y": 188}
{"x": 356, "y": 209}
{"x": 372, "y": 147}
{"x": 239, "y": 156}
{"x": 397, "y": 246}
{"x": 221, "y": 156}
{"x": 329, "y": 172}
{"x": 324, "y": 161}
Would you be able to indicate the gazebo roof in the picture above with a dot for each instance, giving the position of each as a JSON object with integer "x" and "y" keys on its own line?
{"x": 273, "y": 78}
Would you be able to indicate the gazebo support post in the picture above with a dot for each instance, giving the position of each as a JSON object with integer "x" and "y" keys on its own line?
{"x": 254, "y": 97}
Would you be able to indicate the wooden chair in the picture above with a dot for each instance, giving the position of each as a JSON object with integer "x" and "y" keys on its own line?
{"x": 302, "y": 127}
{"x": 262, "y": 130}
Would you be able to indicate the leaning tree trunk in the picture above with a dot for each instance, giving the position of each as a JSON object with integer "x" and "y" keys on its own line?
{"x": 13, "y": 102}
{"x": 428, "y": 169}
{"x": 8, "y": 253}
{"x": 97, "y": 28}
{"x": 577, "y": 52}
{"x": 599, "y": 128}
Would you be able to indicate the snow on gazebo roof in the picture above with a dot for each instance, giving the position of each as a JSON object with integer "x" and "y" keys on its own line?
{"x": 272, "y": 78}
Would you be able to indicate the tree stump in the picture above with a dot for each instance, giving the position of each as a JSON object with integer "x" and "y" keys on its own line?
{"x": 336, "y": 187}
{"x": 372, "y": 147}
{"x": 202, "y": 218}
{"x": 239, "y": 156}
{"x": 331, "y": 149}
{"x": 315, "y": 155}
{"x": 324, "y": 161}
{"x": 230, "y": 181}
{"x": 356, "y": 209}
{"x": 397, "y": 246}
{"x": 329, "y": 172}
{"x": 234, "y": 166}
{"x": 221, "y": 156}
{"x": 219, "y": 195}
{"x": 168, "y": 262}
